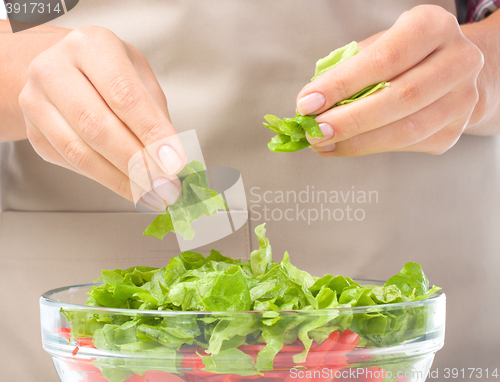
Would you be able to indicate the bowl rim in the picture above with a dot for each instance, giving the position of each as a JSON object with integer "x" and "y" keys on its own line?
{"x": 45, "y": 299}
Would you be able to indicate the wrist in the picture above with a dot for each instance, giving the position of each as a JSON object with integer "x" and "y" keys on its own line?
{"x": 485, "y": 35}
{"x": 18, "y": 50}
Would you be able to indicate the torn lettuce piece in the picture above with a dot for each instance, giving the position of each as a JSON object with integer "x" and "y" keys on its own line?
{"x": 336, "y": 57}
{"x": 292, "y": 131}
{"x": 196, "y": 200}
{"x": 260, "y": 258}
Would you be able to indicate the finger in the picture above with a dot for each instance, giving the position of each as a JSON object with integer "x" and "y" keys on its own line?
{"x": 48, "y": 153}
{"x": 165, "y": 189}
{"x": 148, "y": 77}
{"x": 77, "y": 152}
{"x": 414, "y": 36}
{"x": 435, "y": 143}
{"x": 97, "y": 125}
{"x": 408, "y": 131}
{"x": 43, "y": 147}
{"x": 415, "y": 89}
{"x": 127, "y": 96}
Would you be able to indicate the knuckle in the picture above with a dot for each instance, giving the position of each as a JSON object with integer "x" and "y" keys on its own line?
{"x": 122, "y": 92}
{"x": 92, "y": 126}
{"x": 431, "y": 13}
{"x": 75, "y": 153}
{"x": 87, "y": 35}
{"x": 341, "y": 88}
{"x": 123, "y": 188}
{"x": 351, "y": 126}
{"x": 432, "y": 20}
{"x": 479, "y": 108}
{"x": 137, "y": 167}
{"x": 76, "y": 37}
{"x": 428, "y": 9}
{"x": 407, "y": 93}
{"x": 386, "y": 59}
{"x": 472, "y": 97}
{"x": 409, "y": 132}
{"x": 39, "y": 67}
{"x": 472, "y": 58}
{"x": 152, "y": 130}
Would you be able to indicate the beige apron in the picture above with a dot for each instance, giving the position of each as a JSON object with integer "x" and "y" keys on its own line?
{"x": 223, "y": 65}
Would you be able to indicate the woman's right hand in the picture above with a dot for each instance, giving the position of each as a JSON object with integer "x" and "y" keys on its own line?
{"x": 93, "y": 105}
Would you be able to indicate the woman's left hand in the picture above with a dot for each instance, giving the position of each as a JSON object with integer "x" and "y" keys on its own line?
{"x": 432, "y": 68}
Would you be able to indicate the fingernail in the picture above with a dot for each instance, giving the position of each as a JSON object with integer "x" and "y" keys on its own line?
{"x": 327, "y": 131}
{"x": 311, "y": 103}
{"x": 153, "y": 201}
{"x": 167, "y": 190}
{"x": 170, "y": 159}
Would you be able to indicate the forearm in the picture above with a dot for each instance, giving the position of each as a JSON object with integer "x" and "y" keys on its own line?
{"x": 486, "y": 35}
{"x": 17, "y": 52}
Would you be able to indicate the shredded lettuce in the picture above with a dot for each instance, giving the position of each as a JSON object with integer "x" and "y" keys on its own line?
{"x": 291, "y": 132}
{"x": 219, "y": 284}
{"x": 196, "y": 200}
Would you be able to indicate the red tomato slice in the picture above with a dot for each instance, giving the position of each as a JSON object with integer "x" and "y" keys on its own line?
{"x": 347, "y": 341}
{"x": 192, "y": 350}
{"x": 290, "y": 378}
{"x": 192, "y": 361}
{"x": 229, "y": 378}
{"x": 135, "y": 378}
{"x": 330, "y": 342}
{"x": 65, "y": 332}
{"x": 197, "y": 375}
{"x": 282, "y": 360}
{"x": 316, "y": 356}
{"x": 95, "y": 377}
{"x": 85, "y": 342}
{"x": 336, "y": 357}
{"x": 222, "y": 378}
{"x": 161, "y": 376}
{"x": 276, "y": 374}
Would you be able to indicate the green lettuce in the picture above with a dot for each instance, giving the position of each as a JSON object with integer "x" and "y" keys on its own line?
{"x": 231, "y": 289}
{"x": 291, "y": 132}
{"x": 196, "y": 200}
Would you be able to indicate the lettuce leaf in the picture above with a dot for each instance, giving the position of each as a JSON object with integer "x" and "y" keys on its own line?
{"x": 197, "y": 200}
{"x": 260, "y": 258}
{"x": 230, "y": 288}
{"x": 291, "y": 132}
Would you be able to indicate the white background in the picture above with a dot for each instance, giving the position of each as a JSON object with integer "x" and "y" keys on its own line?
{"x": 3, "y": 13}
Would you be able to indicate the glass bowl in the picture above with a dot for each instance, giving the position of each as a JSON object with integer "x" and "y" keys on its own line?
{"x": 393, "y": 342}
